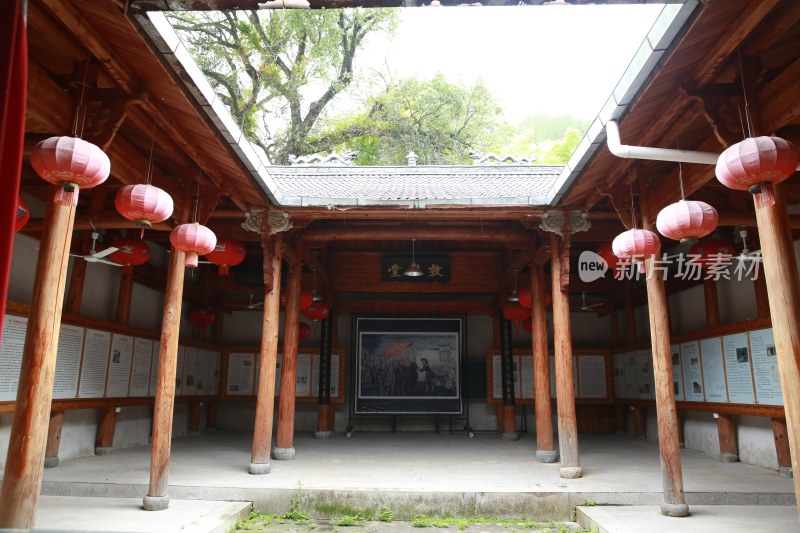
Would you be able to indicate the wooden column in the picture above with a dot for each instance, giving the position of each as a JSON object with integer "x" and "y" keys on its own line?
{"x": 762, "y": 299}
{"x": 324, "y": 428}
{"x": 545, "y": 448}
{"x": 104, "y": 442}
{"x": 125, "y": 293}
{"x": 728, "y": 448}
{"x": 72, "y": 305}
{"x": 782, "y": 447}
{"x": 783, "y": 287}
{"x": 674, "y": 502}
{"x": 157, "y": 498}
{"x": 639, "y": 421}
{"x": 712, "y": 303}
{"x": 562, "y": 333}
{"x": 285, "y": 439}
{"x": 53, "y": 439}
{"x": 498, "y": 414}
{"x": 620, "y": 418}
{"x": 195, "y": 410}
{"x": 268, "y": 355}
{"x": 22, "y": 479}
{"x": 211, "y": 415}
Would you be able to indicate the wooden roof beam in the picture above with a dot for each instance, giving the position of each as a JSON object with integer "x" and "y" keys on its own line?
{"x": 344, "y": 233}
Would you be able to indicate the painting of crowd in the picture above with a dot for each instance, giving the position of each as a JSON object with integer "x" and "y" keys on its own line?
{"x": 407, "y": 367}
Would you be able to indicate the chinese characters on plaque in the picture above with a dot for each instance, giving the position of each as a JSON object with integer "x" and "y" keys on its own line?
{"x": 436, "y": 269}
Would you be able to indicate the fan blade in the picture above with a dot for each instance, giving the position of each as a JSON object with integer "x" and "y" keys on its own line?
{"x": 103, "y": 253}
{"x": 112, "y": 263}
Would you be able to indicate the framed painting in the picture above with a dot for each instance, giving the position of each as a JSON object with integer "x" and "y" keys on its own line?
{"x": 408, "y": 365}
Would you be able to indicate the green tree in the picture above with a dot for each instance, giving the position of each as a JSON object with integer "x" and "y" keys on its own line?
{"x": 279, "y": 67}
{"x": 439, "y": 120}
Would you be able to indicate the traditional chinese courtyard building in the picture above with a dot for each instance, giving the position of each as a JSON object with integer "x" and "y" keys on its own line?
{"x": 413, "y": 298}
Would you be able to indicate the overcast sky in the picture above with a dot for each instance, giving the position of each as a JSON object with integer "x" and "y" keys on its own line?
{"x": 553, "y": 59}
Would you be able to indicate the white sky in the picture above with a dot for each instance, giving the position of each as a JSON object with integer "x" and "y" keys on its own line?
{"x": 552, "y": 59}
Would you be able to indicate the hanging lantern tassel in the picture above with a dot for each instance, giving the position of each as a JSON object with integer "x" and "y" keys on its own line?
{"x": 755, "y": 165}
{"x": 70, "y": 163}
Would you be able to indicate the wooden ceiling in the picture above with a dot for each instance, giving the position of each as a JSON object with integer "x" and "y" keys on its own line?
{"x": 134, "y": 103}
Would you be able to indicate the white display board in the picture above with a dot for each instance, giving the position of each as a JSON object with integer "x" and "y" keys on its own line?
{"x": 140, "y": 368}
{"x": 179, "y": 371}
{"x": 213, "y": 372}
{"x": 189, "y": 370}
{"x": 765, "y": 367}
{"x": 619, "y": 375}
{"x": 591, "y": 376}
{"x": 713, "y": 370}
{"x": 677, "y": 372}
{"x": 692, "y": 371}
{"x": 68, "y": 362}
{"x": 154, "y": 369}
{"x": 202, "y": 381}
{"x": 95, "y": 364}
{"x": 738, "y": 368}
{"x": 119, "y": 367}
{"x": 334, "y": 375}
{"x": 303, "y": 377}
{"x": 241, "y": 374}
{"x": 631, "y": 376}
{"x": 644, "y": 375}
{"x": 13, "y": 343}
{"x": 527, "y": 378}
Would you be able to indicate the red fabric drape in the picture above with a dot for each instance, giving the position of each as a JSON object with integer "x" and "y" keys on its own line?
{"x": 13, "y": 89}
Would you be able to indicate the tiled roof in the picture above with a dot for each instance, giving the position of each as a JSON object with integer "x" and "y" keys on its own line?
{"x": 469, "y": 185}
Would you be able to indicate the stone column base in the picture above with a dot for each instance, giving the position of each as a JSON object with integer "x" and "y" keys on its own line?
{"x": 258, "y": 469}
{"x": 283, "y": 454}
{"x": 729, "y": 458}
{"x": 674, "y": 509}
{"x": 323, "y": 434}
{"x": 103, "y": 450}
{"x": 50, "y": 462}
{"x": 785, "y": 471}
{"x": 510, "y": 435}
{"x": 155, "y": 503}
{"x": 546, "y": 456}
{"x": 570, "y": 472}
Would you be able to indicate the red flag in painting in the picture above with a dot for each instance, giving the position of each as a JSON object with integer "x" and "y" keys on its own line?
{"x": 13, "y": 86}
{"x": 397, "y": 348}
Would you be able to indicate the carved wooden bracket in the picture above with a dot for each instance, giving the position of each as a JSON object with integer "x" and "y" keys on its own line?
{"x": 279, "y": 222}
{"x": 723, "y": 108}
{"x": 556, "y": 221}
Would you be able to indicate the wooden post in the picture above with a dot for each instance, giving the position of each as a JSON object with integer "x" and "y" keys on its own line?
{"x": 639, "y": 422}
{"x": 22, "y": 479}
{"x": 285, "y": 439}
{"x": 72, "y": 305}
{"x": 562, "y": 333}
{"x": 545, "y": 449}
{"x": 784, "y": 456}
{"x": 674, "y": 502}
{"x": 712, "y": 303}
{"x": 498, "y": 414}
{"x": 728, "y": 448}
{"x": 104, "y": 443}
{"x": 620, "y": 420}
{"x": 324, "y": 428}
{"x": 783, "y": 289}
{"x": 211, "y": 415}
{"x": 195, "y": 410}
{"x": 268, "y": 355}
{"x": 53, "y": 439}
{"x": 762, "y": 299}
{"x": 157, "y": 499}
{"x": 124, "y": 298}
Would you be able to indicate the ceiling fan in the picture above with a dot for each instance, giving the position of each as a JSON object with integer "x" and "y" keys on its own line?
{"x": 746, "y": 254}
{"x": 587, "y": 307}
{"x": 97, "y": 257}
{"x": 253, "y": 305}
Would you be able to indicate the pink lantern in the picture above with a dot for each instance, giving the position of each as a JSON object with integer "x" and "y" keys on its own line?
{"x": 23, "y": 214}
{"x": 757, "y": 162}
{"x": 71, "y": 163}
{"x": 194, "y": 239}
{"x": 144, "y": 204}
{"x": 687, "y": 220}
{"x": 636, "y": 244}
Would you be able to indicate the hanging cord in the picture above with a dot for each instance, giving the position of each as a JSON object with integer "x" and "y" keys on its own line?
{"x": 633, "y": 207}
{"x": 196, "y": 204}
{"x": 80, "y": 103}
{"x": 680, "y": 172}
{"x": 744, "y": 93}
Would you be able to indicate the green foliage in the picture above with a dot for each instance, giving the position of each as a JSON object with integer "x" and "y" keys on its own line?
{"x": 589, "y": 502}
{"x": 385, "y": 515}
{"x": 422, "y": 520}
{"x": 296, "y": 512}
{"x": 350, "y": 520}
{"x": 256, "y": 520}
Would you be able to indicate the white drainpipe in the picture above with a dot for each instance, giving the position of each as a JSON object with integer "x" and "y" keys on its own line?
{"x": 655, "y": 154}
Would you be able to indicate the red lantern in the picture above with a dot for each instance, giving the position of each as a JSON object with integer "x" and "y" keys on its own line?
{"x": 202, "y": 318}
{"x": 194, "y": 239}
{"x": 685, "y": 220}
{"x": 757, "y": 162}
{"x": 306, "y": 299}
{"x": 303, "y": 331}
{"x": 636, "y": 244}
{"x": 515, "y": 312}
{"x": 711, "y": 250}
{"x": 526, "y": 297}
{"x": 607, "y": 253}
{"x": 23, "y": 214}
{"x": 527, "y": 325}
{"x": 227, "y": 253}
{"x": 144, "y": 204}
{"x": 316, "y": 311}
{"x": 71, "y": 163}
{"x": 130, "y": 253}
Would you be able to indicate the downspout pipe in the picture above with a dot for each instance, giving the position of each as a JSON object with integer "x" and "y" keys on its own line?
{"x": 625, "y": 151}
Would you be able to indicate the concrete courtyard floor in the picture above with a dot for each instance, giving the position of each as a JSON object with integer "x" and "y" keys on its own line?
{"x": 435, "y": 474}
